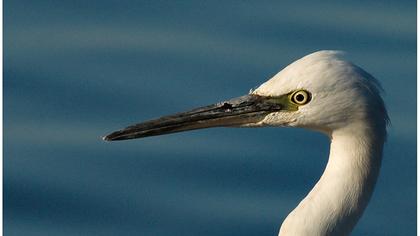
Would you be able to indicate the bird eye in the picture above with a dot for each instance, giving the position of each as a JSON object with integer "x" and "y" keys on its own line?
{"x": 301, "y": 97}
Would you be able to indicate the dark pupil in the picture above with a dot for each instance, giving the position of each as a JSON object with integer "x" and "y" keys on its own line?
{"x": 300, "y": 97}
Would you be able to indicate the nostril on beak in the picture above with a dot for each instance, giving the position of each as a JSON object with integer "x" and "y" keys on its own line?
{"x": 226, "y": 106}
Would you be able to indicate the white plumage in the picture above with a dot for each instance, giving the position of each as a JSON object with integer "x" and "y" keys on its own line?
{"x": 322, "y": 92}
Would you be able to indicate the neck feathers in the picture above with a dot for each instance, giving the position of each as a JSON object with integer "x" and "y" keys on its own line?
{"x": 339, "y": 198}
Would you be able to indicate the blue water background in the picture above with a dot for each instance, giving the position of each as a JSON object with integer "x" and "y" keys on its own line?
{"x": 75, "y": 70}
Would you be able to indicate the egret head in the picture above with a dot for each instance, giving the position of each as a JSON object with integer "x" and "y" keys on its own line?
{"x": 320, "y": 91}
{"x": 325, "y": 93}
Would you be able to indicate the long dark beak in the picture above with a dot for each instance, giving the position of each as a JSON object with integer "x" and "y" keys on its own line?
{"x": 243, "y": 111}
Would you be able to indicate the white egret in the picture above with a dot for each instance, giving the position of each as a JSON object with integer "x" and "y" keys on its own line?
{"x": 322, "y": 92}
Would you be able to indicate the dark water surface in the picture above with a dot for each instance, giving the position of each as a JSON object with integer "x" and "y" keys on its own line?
{"x": 75, "y": 70}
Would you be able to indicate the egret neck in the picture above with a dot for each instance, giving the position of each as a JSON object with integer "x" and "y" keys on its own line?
{"x": 338, "y": 200}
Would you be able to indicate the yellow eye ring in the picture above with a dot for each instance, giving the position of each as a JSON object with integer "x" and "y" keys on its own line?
{"x": 301, "y": 97}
